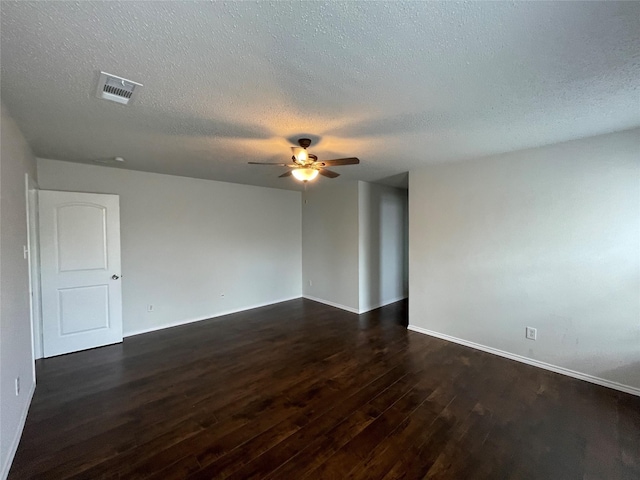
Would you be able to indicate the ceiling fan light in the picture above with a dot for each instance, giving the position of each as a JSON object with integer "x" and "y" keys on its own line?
{"x": 305, "y": 174}
{"x": 300, "y": 154}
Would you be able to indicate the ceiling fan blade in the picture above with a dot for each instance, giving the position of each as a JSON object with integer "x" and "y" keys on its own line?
{"x": 268, "y": 163}
{"x": 328, "y": 173}
{"x": 285, "y": 174}
{"x": 340, "y": 161}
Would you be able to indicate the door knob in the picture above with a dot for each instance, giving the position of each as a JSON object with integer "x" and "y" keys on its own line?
{"x": 114, "y": 277}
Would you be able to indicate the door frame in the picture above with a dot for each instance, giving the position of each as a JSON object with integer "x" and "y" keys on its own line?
{"x": 33, "y": 262}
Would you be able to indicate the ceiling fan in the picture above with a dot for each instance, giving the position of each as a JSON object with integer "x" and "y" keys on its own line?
{"x": 306, "y": 167}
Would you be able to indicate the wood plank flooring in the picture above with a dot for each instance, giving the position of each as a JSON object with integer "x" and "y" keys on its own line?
{"x": 300, "y": 390}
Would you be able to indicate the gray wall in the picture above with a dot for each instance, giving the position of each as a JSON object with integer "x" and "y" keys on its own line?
{"x": 186, "y": 242}
{"x": 16, "y": 159}
{"x": 383, "y": 235}
{"x": 354, "y": 241}
{"x": 330, "y": 243}
{"x": 547, "y": 238}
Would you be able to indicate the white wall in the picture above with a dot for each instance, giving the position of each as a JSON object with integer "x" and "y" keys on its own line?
{"x": 186, "y": 241}
{"x": 330, "y": 243}
{"x": 383, "y": 235}
{"x": 548, "y": 238}
{"x": 16, "y": 359}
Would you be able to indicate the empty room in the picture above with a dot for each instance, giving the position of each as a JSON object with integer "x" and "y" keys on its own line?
{"x": 319, "y": 240}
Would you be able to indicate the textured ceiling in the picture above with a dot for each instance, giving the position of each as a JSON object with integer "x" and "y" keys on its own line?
{"x": 397, "y": 84}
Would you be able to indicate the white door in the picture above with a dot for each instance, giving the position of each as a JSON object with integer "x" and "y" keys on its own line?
{"x": 80, "y": 271}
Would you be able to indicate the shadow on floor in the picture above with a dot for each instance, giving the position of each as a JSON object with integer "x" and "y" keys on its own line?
{"x": 395, "y": 313}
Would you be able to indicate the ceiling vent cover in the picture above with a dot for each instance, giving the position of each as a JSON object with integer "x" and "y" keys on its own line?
{"x": 116, "y": 89}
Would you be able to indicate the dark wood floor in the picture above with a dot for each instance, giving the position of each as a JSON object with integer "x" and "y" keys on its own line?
{"x": 301, "y": 390}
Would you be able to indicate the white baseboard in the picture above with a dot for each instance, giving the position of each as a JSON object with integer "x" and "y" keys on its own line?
{"x": 350, "y": 309}
{"x": 177, "y": 323}
{"x": 229, "y": 312}
{"x": 13, "y": 447}
{"x": 332, "y": 304}
{"x": 382, "y": 304}
{"x": 529, "y": 361}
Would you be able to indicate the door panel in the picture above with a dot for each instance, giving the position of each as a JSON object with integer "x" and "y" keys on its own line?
{"x": 81, "y": 237}
{"x": 80, "y": 270}
{"x": 83, "y": 309}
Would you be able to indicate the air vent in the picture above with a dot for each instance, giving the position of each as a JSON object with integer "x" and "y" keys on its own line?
{"x": 116, "y": 89}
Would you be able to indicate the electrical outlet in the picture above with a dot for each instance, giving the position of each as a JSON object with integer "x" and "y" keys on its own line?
{"x": 531, "y": 333}
{"x": 150, "y": 308}
{"x": 17, "y": 386}
{"x": 310, "y": 283}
